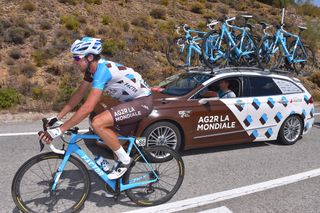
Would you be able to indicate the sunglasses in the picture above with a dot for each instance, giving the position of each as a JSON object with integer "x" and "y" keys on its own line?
{"x": 77, "y": 57}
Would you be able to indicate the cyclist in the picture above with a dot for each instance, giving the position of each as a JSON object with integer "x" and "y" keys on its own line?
{"x": 121, "y": 83}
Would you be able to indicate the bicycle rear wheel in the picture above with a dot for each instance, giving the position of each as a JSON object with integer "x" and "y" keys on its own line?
{"x": 170, "y": 171}
{"x": 31, "y": 185}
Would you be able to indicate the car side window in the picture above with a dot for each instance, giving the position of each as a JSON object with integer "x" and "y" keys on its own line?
{"x": 234, "y": 86}
{"x": 263, "y": 86}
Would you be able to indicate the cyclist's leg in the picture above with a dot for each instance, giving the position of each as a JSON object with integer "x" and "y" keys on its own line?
{"x": 122, "y": 114}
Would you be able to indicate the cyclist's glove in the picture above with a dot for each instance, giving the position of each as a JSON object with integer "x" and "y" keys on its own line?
{"x": 54, "y": 122}
{"x": 52, "y": 133}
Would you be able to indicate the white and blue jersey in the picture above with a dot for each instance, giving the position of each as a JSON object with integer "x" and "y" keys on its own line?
{"x": 120, "y": 82}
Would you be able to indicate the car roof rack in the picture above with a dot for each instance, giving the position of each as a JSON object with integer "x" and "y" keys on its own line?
{"x": 217, "y": 70}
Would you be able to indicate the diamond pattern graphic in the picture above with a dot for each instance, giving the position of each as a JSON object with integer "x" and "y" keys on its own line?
{"x": 269, "y": 133}
{"x": 239, "y": 105}
{"x": 306, "y": 127}
{"x": 284, "y": 101}
{"x": 254, "y": 134}
{"x": 270, "y": 103}
{"x": 256, "y": 103}
{"x": 304, "y": 114}
{"x": 278, "y": 117}
{"x": 248, "y": 120}
{"x": 263, "y": 118}
{"x": 306, "y": 99}
{"x": 311, "y": 112}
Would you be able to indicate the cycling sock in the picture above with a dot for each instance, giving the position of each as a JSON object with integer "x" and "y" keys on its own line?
{"x": 122, "y": 155}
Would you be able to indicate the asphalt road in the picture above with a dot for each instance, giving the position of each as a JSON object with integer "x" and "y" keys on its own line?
{"x": 207, "y": 171}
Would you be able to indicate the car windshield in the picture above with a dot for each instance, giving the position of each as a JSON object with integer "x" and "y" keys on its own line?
{"x": 185, "y": 83}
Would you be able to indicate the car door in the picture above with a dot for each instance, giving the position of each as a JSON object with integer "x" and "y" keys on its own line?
{"x": 263, "y": 107}
{"x": 216, "y": 122}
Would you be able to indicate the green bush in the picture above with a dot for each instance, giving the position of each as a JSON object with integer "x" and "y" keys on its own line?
{"x": 71, "y": 2}
{"x": 67, "y": 86}
{"x": 40, "y": 56}
{"x": 37, "y": 93}
{"x": 158, "y": 13}
{"x": 16, "y": 35}
{"x": 197, "y": 8}
{"x": 109, "y": 47}
{"x": 88, "y": 31}
{"x": 94, "y": 1}
{"x": 28, "y": 70}
{"x": 70, "y": 22}
{"x": 8, "y": 98}
{"x": 165, "y": 2}
{"x": 309, "y": 10}
{"x": 106, "y": 20}
{"x": 29, "y": 6}
{"x": 142, "y": 21}
{"x": 15, "y": 53}
{"x": 45, "y": 25}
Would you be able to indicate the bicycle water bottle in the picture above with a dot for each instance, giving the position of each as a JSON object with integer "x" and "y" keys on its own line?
{"x": 103, "y": 163}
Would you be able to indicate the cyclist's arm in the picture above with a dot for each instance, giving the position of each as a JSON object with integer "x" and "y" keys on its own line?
{"x": 84, "y": 111}
{"x": 75, "y": 99}
{"x": 101, "y": 77}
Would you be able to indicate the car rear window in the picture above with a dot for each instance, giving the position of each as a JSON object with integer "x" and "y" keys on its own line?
{"x": 287, "y": 87}
{"x": 263, "y": 86}
{"x": 185, "y": 83}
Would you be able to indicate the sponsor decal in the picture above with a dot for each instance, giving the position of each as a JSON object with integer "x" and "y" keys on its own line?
{"x": 93, "y": 165}
{"x": 126, "y": 113}
{"x": 184, "y": 113}
{"x": 131, "y": 87}
{"x": 215, "y": 122}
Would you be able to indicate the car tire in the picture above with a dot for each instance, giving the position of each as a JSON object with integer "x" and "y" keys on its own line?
{"x": 290, "y": 130}
{"x": 161, "y": 133}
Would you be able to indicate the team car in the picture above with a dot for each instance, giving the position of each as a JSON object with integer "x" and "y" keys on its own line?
{"x": 267, "y": 106}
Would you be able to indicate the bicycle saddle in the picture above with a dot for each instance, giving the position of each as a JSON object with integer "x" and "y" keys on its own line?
{"x": 247, "y": 16}
{"x": 264, "y": 25}
{"x": 302, "y": 28}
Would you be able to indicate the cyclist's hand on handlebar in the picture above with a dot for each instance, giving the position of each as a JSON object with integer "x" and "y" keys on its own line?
{"x": 49, "y": 135}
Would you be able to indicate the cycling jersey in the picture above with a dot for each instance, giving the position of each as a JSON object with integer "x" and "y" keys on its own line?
{"x": 120, "y": 82}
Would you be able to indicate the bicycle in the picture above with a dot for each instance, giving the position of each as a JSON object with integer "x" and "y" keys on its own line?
{"x": 57, "y": 179}
{"x": 292, "y": 57}
{"x": 185, "y": 51}
{"x": 226, "y": 47}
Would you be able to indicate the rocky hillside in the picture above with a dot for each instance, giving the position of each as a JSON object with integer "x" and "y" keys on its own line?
{"x": 35, "y": 36}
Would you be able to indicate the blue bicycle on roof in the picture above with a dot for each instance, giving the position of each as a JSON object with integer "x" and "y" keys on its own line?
{"x": 225, "y": 47}
{"x": 275, "y": 53}
{"x": 185, "y": 51}
{"x": 58, "y": 181}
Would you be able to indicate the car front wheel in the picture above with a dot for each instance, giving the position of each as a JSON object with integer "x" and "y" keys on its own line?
{"x": 163, "y": 133}
{"x": 290, "y": 130}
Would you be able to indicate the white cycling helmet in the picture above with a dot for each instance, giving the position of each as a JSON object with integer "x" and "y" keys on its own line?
{"x": 85, "y": 46}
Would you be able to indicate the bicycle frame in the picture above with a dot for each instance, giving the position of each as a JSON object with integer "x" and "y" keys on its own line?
{"x": 193, "y": 46}
{"x": 74, "y": 148}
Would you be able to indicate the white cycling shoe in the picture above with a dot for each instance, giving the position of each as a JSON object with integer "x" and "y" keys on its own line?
{"x": 120, "y": 170}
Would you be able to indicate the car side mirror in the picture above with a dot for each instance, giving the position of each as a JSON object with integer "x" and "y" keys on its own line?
{"x": 206, "y": 100}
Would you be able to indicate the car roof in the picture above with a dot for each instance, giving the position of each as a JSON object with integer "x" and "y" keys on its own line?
{"x": 231, "y": 71}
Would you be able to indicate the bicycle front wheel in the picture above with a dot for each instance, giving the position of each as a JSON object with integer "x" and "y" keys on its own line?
{"x": 170, "y": 172}
{"x": 176, "y": 52}
{"x": 31, "y": 186}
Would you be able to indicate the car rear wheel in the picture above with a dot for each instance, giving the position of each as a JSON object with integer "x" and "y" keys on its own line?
{"x": 290, "y": 130}
{"x": 163, "y": 133}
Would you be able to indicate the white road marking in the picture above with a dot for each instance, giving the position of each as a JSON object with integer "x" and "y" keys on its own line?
{"x": 316, "y": 114}
{"x": 221, "y": 209}
{"x": 229, "y": 194}
{"x": 31, "y": 133}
